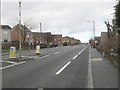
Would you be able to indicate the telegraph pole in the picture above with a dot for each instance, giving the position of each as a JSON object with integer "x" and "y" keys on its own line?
{"x": 40, "y": 31}
{"x": 19, "y": 28}
{"x": 40, "y": 27}
{"x": 93, "y": 22}
{"x": 93, "y": 29}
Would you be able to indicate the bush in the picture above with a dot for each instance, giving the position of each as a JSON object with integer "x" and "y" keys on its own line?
{"x": 118, "y": 50}
{"x": 65, "y": 44}
{"x": 43, "y": 46}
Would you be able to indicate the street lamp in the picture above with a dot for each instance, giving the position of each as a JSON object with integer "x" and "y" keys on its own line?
{"x": 93, "y": 22}
{"x": 19, "y": 27}
{"x": 40, "y": 32}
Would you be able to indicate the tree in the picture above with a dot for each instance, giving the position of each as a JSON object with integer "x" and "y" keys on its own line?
{"x": 117, "y": 14}
{"x": 65, "y": 44}
{"x": 27, "y": 26}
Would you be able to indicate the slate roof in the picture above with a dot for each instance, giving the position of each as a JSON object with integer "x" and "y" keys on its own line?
{"x": 5, "y": 27}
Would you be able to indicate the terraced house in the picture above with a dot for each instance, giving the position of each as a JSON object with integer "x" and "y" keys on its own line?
{"x": 5, "y": 36}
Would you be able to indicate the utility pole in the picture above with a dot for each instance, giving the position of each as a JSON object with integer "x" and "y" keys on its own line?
{"x": 93, "y": 22}
{"x": 40, "y": 31}
{"x": 19, "y": 28}
{"x": 93, "y": 29}
{"x": 40, "y": 27}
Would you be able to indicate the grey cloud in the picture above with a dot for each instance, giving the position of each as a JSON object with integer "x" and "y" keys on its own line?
{"x": 61, "y": 17}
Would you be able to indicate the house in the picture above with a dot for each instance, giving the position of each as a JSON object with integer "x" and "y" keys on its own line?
{"x": 105, "y": 42}
{"x": 56, "y": 39}
{"x": 77, "y": 41}
{"x": 5, "y": 36}
{"x": 65, "y": 39}
{"x": 97, "y": 41}
{"x": 21, "y": 32}
{"x": 72, "y": 41}
{"x": 42, "y": 38}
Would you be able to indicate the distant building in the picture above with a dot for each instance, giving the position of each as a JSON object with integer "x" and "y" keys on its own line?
{"x": 108, "y": 43}
{"x": 104, "y": 41}
{"x": 42, "y": 38}
{"x": 92, "y": 43}
{"x": 70, "y": 40}
{"x": 77, "y": 41}
{"x": 65, "y": 39}
{"x": 97, "y": 41}
{"x": 5, "y": 36}
{"x": 56, "y": 39}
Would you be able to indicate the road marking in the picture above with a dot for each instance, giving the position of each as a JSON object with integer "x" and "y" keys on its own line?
{"x": 97, "y": 59}
{"x": 63, "y": 68}
{"x": 40, "y": 88}
{"x": 12, "y": 65}
{"x": 56, "y": 52}
{"x": 75, "y": 57}
{"x": 8, "y": 61}
{"x": 82, "y": 50}
{"x": 90, "y": 76}
{"x": 43, "y": 56}
{"x": 20, "y": 63}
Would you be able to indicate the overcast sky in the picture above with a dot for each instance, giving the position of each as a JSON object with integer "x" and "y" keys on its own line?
{"x": 66, "y": 17}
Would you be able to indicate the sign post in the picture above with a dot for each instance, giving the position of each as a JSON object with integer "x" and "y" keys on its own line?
{"x": 12, "y": 53}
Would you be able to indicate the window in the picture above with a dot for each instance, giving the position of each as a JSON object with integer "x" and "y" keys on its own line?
{"x": 5, "y": 32}
{"x": 5, "y": 40}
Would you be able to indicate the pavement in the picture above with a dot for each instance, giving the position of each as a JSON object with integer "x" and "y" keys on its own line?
{"x": 62, "y": 67}
{"x": 105, "y": 74}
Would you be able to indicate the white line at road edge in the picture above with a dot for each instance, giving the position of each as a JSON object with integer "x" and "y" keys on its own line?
{"x": 8, "y": 61}
{"x": 63, "y": 68}
{"x": 12, "y": 65}
{"x": 90, "y": 76}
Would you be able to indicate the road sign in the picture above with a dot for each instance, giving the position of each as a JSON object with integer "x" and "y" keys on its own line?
{"x": 12, "y": 52}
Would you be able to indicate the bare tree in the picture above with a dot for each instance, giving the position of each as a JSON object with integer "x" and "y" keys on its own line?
{"x": 27, "y": 27}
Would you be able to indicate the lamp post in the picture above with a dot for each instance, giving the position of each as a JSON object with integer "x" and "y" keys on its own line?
{"x": 40, "y": 32}
{"x": 19, "y": 28}
{"x": 93, "y": 22}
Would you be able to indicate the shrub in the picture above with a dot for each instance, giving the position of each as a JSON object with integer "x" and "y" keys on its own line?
{"x": 65, "y": 44}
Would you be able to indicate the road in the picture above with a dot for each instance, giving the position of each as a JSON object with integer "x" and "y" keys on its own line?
{"x": 62, "y": 67}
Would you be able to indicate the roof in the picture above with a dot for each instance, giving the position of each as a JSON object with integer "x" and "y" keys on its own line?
{"x": 57, "y": 35}
{"x": 41, "y": 33}
{"x": 5, "y": 27}
{"x": 22, "y": 27}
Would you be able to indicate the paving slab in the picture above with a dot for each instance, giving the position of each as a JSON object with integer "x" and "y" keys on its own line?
{"x": 105, "y": 74}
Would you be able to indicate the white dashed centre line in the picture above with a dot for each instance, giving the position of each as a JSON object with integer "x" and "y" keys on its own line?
{"x": 75, "y": 57}
{"x": 63, "y": 68}
{"x": 80, "y": 52}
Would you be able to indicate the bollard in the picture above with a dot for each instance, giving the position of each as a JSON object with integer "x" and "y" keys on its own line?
{"x": 103, "y": 53}
{"x": 38, "y": 50}
{"x": 12, "y": 53}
